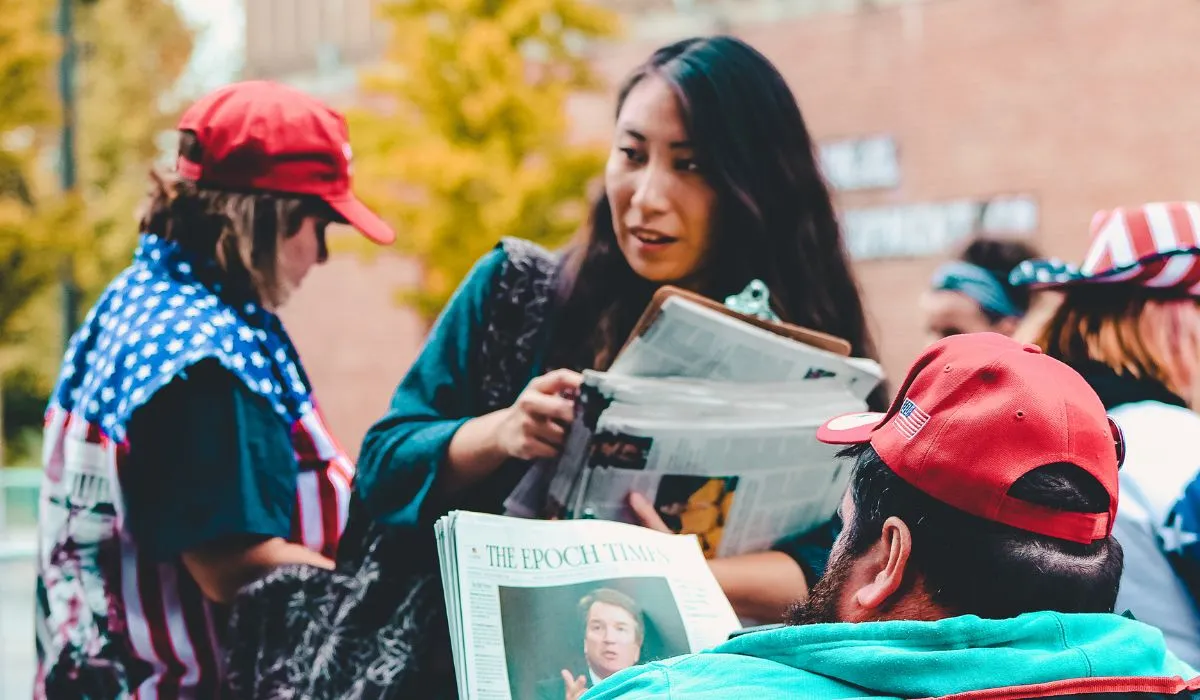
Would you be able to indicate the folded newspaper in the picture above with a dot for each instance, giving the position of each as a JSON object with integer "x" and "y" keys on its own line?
{"x": 714, "y": 420}
{"x": 546, "y": 609}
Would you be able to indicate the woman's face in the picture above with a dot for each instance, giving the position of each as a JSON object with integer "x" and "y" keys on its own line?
{"x": 298, "y": 254}
{"x": 662, "y": 207}
{"x": 948, "y": 313}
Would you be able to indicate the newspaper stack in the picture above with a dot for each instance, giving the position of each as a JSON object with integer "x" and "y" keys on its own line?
{"x": 714, "y": 420}
{"x": 541, "y": 609}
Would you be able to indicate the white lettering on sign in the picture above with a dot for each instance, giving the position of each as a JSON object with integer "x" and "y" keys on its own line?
{"x": 860, "y": 164}
{"x": 913, "y": 230}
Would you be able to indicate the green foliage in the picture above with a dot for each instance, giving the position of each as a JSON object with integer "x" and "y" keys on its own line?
{"x": 467, "y": 138}
{"x": 134, "y": 53}
{"x": 131, "y": 54}
{"x": 28, "y": 244}
{"x": 26, "y": 51}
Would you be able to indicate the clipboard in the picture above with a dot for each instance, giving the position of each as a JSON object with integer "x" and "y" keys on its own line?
{"x": 816, "y": 339}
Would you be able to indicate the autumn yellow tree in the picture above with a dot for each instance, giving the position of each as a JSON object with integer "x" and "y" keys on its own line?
{"x": 26, "y": 54}
{"x": 26, "y": 243}
{"x": 472, "y": 142}
{"x": 131, "y": 54}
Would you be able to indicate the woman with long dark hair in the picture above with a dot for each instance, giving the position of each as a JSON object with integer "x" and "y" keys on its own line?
{"x": 712, "y": 182}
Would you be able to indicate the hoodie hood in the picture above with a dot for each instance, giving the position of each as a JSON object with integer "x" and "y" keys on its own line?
{"x": 924, "y": 659}
{"x": 908, "y": 659}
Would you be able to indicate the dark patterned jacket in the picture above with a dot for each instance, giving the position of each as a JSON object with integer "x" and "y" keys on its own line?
{"x": 375, "y": 628}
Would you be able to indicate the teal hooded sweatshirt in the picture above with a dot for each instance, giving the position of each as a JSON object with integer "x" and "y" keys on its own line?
{"x": 911, "y": 660}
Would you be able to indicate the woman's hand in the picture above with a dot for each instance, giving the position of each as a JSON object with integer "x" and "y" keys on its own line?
{"x": 646, "y": 514}
{"x": 535, "y": 426}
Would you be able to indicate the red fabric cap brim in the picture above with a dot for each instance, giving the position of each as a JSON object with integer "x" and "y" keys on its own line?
{"x": 850, "y": 429}
{"x": 363, "y": 219}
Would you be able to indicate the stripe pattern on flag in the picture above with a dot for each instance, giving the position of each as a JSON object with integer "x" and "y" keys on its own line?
{"x": 1155, "y": 245}
{"x": 910, "y": 419}
{"x": 157, "y": 621}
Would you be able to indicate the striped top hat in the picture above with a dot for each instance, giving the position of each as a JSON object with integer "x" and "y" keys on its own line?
{"x": 1155, "y": 246}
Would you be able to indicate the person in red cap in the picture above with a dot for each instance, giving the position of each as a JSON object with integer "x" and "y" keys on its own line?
{"x": 976, "y": 558}
{"x": 1129, "y": 322}
{"x": 185, "y": 455}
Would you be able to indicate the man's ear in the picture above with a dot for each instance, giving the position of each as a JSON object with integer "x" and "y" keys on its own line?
{"x": 889, "y": 561}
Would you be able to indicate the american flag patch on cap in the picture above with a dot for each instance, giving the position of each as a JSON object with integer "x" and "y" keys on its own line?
{"x": 910, "y": 420}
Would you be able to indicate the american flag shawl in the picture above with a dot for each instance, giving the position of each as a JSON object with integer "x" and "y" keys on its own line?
{"x": 111, "y": 622}
{"x": 1155, "y": 245}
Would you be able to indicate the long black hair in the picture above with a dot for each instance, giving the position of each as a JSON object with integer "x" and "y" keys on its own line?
{"x": 774, "y": 217}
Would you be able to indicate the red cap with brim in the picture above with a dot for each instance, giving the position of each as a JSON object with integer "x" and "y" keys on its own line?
{"x": 979, "y": 411}
{"x": 363, "y": 219}
{"x": 268, "y": 137}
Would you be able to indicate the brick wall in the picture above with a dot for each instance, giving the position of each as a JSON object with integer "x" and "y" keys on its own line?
{"x": 1082, "y": 104}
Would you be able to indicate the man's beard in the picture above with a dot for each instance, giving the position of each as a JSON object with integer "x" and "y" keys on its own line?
{"x": 821, "y": 606}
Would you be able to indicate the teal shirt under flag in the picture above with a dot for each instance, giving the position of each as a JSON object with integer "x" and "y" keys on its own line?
{"x": 901, "y": 659}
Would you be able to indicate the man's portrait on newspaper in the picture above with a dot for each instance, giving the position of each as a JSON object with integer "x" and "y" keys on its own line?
{"x": 576, "y": 635}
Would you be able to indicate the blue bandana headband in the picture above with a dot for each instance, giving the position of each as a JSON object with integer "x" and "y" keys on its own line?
{"x": 977, "y": 283}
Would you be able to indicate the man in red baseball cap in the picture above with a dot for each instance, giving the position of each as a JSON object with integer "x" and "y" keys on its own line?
{"x": 976, "y": 558}
{"x": 185, "y": 453}
{"x": 267, "y": 137}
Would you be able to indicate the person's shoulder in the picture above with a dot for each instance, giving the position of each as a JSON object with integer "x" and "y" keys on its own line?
{"x": 522, "y": 250}
{"x": 1155, "y": 415}
{"x": 510, "y": 258}
{"x": 525, "y": 259}
{"x": 648, "y": 680}
{"x": 1154, "y": 431}
{"x": 708, "y": 675}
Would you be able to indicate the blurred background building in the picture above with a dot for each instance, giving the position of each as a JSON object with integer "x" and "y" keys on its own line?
{"x": 935, "y": 119}
{"x": 316, "y": 45}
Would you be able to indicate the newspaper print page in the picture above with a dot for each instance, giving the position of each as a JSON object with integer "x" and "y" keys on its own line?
{"x": 544, "y": 603}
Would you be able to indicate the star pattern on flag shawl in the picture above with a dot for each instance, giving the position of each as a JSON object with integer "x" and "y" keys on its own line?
{"x": 155, "y": 320}
{"x": 1174, "y": 537}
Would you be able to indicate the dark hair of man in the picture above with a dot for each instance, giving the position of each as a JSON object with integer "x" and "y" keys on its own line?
{"x": 774, "y": 218}
{"x": 972, "y": 566}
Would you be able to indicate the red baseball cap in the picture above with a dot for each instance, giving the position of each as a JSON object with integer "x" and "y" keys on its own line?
{"x": 263, "y": 135}
{"x": 976, "y": 413}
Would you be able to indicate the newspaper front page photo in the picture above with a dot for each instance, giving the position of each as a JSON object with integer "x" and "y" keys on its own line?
{"x": 713, "y": 419}
{"x": 538, "y": 607}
